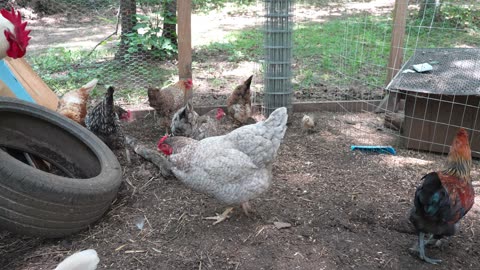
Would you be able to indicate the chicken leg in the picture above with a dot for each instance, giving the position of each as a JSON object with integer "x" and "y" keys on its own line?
{"x": 219, "y": 218}
{"x": 429, "y": 242}
{"x": 247, "y": 209}
{"x": 421, "y": 250}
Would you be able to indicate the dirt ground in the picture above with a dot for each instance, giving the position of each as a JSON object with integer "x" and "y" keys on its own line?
{"x": 347, "y": 210}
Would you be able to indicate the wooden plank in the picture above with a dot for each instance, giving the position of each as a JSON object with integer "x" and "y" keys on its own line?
{"x": 5, "y": 91}
{"x": 353, "y": 106}
{"x": 32, "y": 83}
{"x": 431, "y": 122}
{"x": 184, "y": 21}
{"x": 398, "y": 36}
{"x": 396, "y": 49}
{"x": 298, "y": 107}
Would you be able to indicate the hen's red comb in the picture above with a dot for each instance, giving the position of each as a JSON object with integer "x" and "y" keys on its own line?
{"x": 188, "y": 83}
{"x": 220, "y": 113}
{"x": 162, "y": 140}
{"x": 21, "y": 34}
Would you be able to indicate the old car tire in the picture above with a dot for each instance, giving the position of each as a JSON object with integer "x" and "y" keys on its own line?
{"x": 39, "y": 203}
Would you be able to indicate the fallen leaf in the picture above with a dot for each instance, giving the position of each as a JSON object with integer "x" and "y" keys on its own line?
{"x": 282, "y": 225}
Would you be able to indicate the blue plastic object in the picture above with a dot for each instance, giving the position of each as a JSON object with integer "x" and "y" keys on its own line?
{"x": 12, "y": 83}
{"x": 374, "y": 148}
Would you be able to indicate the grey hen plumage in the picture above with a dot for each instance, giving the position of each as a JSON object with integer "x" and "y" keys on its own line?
{"x": 233, "y": 168}
{"x": 186, "y": 122}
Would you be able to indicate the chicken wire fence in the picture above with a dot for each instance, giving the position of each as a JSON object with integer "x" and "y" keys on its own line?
{"x": 128, "y": 43}
{"x": 340, "y": 54}
{"x": 278, "y": 43}
{"x": 360, "y": 55}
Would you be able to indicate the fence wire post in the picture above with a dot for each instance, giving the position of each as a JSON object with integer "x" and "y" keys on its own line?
{"x": 184, "y": 19}
{"x": 278, "y": 45}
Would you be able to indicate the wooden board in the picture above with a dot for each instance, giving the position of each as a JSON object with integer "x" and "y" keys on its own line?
{"x": 184, "y": 22}
{"x": 431, "y": 121}
{"x": 29, "y": 87}
{"x": 298, "y": 107}
{"x": 5, "y": 91}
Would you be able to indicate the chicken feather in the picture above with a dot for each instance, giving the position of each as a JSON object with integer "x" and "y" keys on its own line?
{"x": 239, "y": 104}
{"x": 103, "y": 120}
{"x": 186, "y": 122}
{"x": 74, "y": 103}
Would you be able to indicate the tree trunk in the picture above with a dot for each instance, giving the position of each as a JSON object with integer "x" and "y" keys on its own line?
{"x": 170, "y": 21}
{"x": 128, "y": 10}
{"x": 429, "y": 8}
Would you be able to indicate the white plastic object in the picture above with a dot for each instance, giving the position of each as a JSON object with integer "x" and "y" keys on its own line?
{"x": 422, "y": 67}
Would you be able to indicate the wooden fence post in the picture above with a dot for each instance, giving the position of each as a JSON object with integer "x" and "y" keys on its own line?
{"x": 184, "y": 21}
{"x": 396, "y": 48}
{"x": 398, "y": 35}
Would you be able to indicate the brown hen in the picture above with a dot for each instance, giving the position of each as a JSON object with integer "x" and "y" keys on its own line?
{"x": 168, "y": 100}
{"x": 239, "y": 105}
{"x": 74, "y": 103}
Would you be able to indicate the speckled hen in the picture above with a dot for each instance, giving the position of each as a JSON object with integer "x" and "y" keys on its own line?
{"x": 186, "y": 122}
{"x": 103, "y": 119}
{"x": 233, "y": 168}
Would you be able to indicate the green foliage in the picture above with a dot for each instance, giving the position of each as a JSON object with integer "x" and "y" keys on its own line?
{"x": 338, "y": 50}
{"x": 458, "y": 16}
{"x": 57, "y": 68}
{"x": 333, "y": 52}
{"x": 238, "y": 46}
{"x": 50, "y": 7}
{"x": 450, "y": 15}
{"x": 209, "y": 5}
{"x": 148, "y": 38}
{"x": 64, "y": 70}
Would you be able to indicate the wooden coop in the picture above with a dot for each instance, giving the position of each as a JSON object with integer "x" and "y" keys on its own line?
{"x": 439, "y": 101}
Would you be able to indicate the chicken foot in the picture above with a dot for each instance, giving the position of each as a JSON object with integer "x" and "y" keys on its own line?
{"x": 429, "y": 242}
{"x": 219, "y": 218}
{"x": 247, "y": 209}
{"x": 421, "y": 249}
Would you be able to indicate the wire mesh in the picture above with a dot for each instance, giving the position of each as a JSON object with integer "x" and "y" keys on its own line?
{"x": 278, "y": 55}
{"x": 434, "y": 104}
{"x": 454, "y": 72}
{"x": 128, "y": 43}
{"x": 335, "y": 52}
{"x": 343, "y": 54}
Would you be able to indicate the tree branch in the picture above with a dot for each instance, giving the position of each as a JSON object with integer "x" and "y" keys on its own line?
{"x": 109, "y": 36}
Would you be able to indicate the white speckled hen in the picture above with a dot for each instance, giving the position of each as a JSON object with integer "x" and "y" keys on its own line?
{"x": 233, "y": 168}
